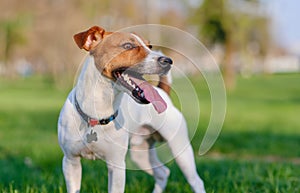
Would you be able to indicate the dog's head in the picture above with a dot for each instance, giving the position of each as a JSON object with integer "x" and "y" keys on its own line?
{"x": 125, "y": 58}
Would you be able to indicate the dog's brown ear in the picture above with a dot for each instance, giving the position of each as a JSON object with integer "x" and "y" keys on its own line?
{"x": 90, "y": 38}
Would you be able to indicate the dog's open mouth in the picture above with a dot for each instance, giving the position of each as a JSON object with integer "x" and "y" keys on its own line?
{"x": 139, "y": 88}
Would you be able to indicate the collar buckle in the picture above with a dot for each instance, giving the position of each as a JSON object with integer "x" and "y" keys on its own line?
{"x": 92, "y": 122}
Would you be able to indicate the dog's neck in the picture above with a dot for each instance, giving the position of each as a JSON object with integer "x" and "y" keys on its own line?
{"x": 96, "y": 94}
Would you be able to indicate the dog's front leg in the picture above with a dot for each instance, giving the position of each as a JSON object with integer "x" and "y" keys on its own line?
{"x": 72, "y": 173}
{"x": 115, "y": 160}
{"x": 116, "y": 178}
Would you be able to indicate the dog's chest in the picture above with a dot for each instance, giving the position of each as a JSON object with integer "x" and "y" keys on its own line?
{"x": 94, "y": 143}
{"x": 100, "y": 141}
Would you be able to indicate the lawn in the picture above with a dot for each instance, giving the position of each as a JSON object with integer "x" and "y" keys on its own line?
{"x": 258, "y": 149}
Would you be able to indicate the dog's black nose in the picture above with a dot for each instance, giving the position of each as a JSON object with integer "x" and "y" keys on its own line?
{"x": 164, "y": 61}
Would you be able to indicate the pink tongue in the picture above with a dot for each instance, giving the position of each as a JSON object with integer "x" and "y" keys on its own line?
{"x": 153, "y": 97}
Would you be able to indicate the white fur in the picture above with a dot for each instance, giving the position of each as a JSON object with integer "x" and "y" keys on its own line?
{"x": 142, "y": 43}
{"x": 99, "y": 97}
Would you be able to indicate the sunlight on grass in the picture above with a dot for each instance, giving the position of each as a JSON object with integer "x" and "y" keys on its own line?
{"x": 258, "y": 149}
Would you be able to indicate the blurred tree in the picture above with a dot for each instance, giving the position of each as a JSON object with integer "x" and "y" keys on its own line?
{"x": 12, "y": 31}
{"x": 226, "y": 23}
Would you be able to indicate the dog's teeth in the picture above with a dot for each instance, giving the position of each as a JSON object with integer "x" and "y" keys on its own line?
{"x": 130, "y": 83}
{"x": 126, "y": 77}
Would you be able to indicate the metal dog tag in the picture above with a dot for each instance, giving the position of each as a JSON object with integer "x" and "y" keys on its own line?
{"x": 92, "y": 136}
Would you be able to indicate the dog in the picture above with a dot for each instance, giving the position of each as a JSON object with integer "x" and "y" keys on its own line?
{"x": 99, "y": 121}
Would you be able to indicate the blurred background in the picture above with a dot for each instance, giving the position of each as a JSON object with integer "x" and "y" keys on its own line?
{"x": 245, "y": 36}
{"x": 256, "y": 43}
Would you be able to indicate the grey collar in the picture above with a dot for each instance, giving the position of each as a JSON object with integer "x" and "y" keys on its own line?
{"x": 93, "y": 121}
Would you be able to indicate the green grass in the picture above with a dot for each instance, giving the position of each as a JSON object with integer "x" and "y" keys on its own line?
{"x": 258, "y": 149}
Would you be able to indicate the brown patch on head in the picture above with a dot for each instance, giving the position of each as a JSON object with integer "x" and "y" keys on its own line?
{"x": 111, "y": 50}
{"x": 118, "y": 50}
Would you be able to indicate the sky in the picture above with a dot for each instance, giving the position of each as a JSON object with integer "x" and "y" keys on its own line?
{"x": 286, "y": 23}
{"x": 285, "y": 17}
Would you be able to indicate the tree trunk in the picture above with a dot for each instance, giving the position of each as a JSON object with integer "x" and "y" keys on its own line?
{"x": 229, "y": 70}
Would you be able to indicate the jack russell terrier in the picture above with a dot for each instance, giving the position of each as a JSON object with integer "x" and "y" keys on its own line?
{"x": 98, "y": 121}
